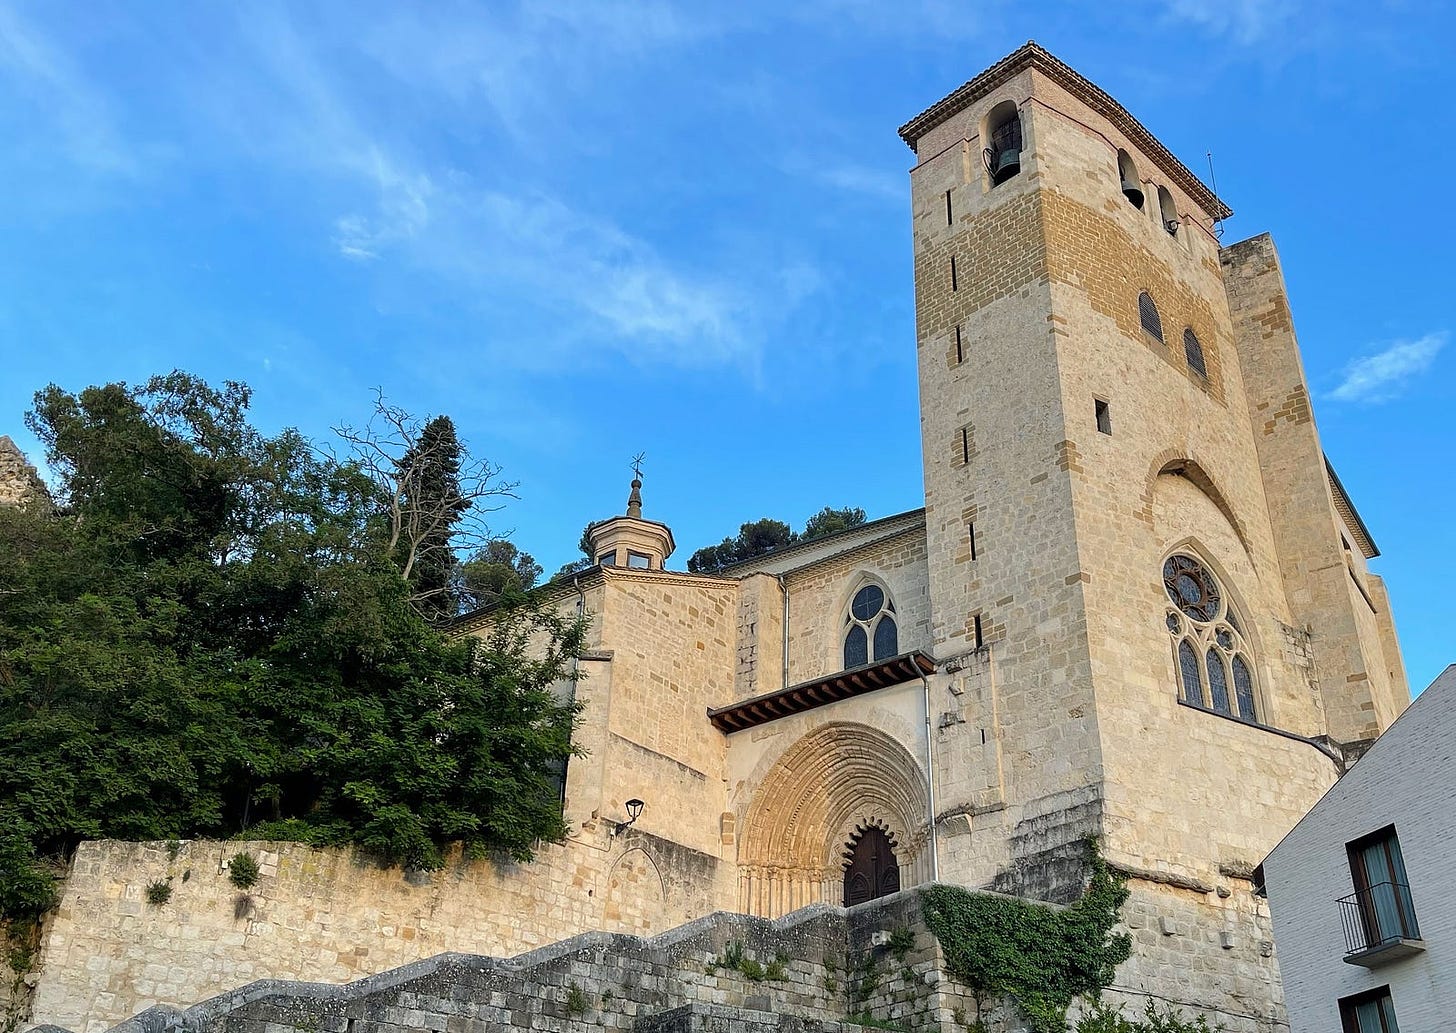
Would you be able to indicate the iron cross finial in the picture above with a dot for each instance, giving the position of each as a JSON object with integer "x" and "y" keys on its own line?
{"x": 637, "y": 464}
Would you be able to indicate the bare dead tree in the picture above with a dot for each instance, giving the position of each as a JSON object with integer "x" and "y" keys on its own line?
{"x": 436, "y": 496}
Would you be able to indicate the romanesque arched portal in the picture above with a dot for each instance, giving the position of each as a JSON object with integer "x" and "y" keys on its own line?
{"x": 812, "y": 807}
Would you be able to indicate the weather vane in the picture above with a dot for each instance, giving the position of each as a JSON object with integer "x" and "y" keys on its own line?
{"x": 637, "y": 464}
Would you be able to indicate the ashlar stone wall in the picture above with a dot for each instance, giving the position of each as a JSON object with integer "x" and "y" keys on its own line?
{"x": 332, "y": 916}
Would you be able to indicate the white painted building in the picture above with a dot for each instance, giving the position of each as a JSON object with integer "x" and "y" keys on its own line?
{"x": 1361, "y": 889}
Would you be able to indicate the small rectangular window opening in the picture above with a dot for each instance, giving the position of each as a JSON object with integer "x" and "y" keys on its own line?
{"x": 949, "y": 218}
{"x": 965, "y": 445}
{"x": 639, "y": 560}
{"x": 979, "y": 640}
{"x": 1104, "y": 416}
{"x": 607, "y": 559}
{"x": 960, "y": 355}
{"x": 971, "y": 529}
{"x": 952, "y": 272}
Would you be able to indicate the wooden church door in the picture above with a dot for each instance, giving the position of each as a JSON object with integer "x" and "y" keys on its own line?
{"x": 873, "y": 871}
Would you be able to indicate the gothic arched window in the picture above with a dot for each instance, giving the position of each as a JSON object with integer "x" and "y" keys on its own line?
{"x": 1215, "y": 668}
{"x": 1148, "y": 315}
{"x": 870, "y": 624}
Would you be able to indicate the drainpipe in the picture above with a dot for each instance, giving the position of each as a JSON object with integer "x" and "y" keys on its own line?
{"x": 930, "y": 781}
{"x": 784, "y": 591}
{"x": 575, "y": 673}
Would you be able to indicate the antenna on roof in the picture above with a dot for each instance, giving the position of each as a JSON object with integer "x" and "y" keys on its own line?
{"x": 1213, "y": 182}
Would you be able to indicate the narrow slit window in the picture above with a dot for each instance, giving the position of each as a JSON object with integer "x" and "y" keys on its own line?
{"x": 949, "y": 217}
{"x": 960, "y": 353}
{"x": 965, "y": 445}
{"x": 1103, "y": 412}
{"x": 971, "y": 530}
{"x": 977, "y": 625}
{"x": 953, "y": 284}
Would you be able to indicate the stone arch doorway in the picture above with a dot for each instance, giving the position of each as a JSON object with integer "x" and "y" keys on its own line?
{"x": 871, "y": 868}
{"x": 813, "y": 803}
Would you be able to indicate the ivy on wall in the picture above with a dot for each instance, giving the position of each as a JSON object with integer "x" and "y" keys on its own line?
{"x": 1042, "y": 958}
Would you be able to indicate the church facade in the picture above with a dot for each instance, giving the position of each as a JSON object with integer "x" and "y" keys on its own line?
{"x": 1135, "y": 606}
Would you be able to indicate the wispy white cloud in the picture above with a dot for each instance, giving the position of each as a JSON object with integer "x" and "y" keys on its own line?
{"x": 1381, "y": 376}
{"x": 868, "y": 182}
{"x": 1246, "y": 21}
{"x": 77, "y": 115}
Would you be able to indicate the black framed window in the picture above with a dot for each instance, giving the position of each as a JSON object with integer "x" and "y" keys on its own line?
{"x": 1382, "y": 891}
{"x": 1372, "y": 1012}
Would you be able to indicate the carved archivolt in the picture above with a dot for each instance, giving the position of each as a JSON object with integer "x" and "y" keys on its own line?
{"x": 837, "y": 779}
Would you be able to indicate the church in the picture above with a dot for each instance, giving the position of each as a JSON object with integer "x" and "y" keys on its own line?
{"x": 1135, "y": 606}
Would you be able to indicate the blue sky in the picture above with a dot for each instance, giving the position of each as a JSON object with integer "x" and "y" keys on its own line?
{"x": 587, "y": 229}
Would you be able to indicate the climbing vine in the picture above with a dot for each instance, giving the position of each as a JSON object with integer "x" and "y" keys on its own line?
{"x": 1043, "y": 958}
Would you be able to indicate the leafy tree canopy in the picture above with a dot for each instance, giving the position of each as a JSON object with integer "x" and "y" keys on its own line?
{"x": 764, "y": 536}
{"x": 213, "y": 633}
{"x": 496, "y": 571}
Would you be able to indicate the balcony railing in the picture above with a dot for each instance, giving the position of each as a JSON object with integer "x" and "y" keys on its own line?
{"x": 1378, "y": 921}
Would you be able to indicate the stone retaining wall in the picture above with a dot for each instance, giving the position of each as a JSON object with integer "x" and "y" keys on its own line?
{"x": 812, "y": 970}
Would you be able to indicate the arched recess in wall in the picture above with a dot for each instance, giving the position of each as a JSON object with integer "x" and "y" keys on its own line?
{"x": 835, "y": 780}
{"x": 1178, "y": 464}
{"x": 1132, "y": 184}
{"x": 635, "y": 897}
{"x": 1002, "y": 142}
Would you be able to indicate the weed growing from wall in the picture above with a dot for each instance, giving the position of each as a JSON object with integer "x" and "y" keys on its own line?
{"x": 159, "y": 891}
{"x": 1041, "y": 958}
{"x": 1099, "y": 1018}
{"x": 242, "y": 870}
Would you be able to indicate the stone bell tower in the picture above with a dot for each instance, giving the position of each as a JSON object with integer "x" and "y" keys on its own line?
{"x": 1108, "y": 533}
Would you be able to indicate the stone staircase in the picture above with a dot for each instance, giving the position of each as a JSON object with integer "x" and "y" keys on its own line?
{"x": 813, "y": 971}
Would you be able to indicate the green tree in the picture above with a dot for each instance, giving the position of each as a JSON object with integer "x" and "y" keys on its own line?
{"x": 831, "y": 521}
{"x": 430, "y": 472}
{"x": 587, "y": 559}
{"x": 753, "y": 539}
{"x": 434, "y": 498}
{"x": 763, "y": 536}
{"x": 496, "y": 570}
{"x": 212, "y": 633}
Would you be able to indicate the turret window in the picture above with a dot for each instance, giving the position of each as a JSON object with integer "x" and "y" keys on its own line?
{"x": 870, "y": 621}
{"x": 1215, "y": 670}
{"x": 1194, "y": 351}
{"x": 1148, "y": 315}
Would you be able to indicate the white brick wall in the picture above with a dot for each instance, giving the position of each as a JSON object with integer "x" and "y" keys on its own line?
{"x": 1408, "y": 779}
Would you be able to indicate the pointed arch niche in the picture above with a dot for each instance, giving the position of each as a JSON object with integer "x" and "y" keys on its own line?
{"x": 813, "y": 808}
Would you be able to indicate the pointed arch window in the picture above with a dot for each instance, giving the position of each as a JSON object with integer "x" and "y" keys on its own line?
{"x": 870, "y": 623}
{"x": 1213, "y": 659}
{"x": 1148, "y": 315}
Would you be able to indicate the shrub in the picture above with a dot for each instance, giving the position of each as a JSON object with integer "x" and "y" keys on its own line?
{"x": 243, "y": 871}
{"x": 159, "y": 892}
